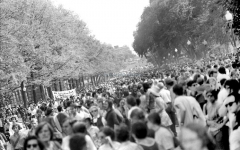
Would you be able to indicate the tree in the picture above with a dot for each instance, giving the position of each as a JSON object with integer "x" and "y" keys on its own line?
{"x": 169, "y": 25}
{"x": 234, "y": 7}
{"x": 40, "y": 43}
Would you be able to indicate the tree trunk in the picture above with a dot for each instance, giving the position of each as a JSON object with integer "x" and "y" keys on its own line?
{"x": 34, "y": 94}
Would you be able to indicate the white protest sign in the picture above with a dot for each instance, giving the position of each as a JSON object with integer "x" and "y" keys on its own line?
{"x": 64, "y": 94}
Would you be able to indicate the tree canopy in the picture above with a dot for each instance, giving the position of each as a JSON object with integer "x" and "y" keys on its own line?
{"x": 234, "y": 7}
{"x": 41, "y": 42}
{"x": 170, "y": 24}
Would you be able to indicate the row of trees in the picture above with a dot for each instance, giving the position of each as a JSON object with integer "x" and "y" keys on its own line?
{"x": 171, "y": 28}
{"x": 40, "y": 42}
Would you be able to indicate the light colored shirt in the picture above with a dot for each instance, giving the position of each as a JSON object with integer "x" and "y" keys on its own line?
{"x": 20, "y": 142}
{"x": 164, "y": 138}
{"x": 191, "y": 107}
{"x": 165, "y": 94}
{"x": 222, "y": 95}
{"x": 234, "y": 139}
{"x": 115, "y": 145}
{"x": 129, "y": 146}
{"x": 65, "y": 143}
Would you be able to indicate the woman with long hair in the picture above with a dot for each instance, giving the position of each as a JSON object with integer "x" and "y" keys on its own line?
{"x": 45, "y": 134}
{"x": 32, "y": 143}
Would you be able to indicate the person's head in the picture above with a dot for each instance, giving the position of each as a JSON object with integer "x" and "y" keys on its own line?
{"x": 44, "y": 132}
{"x": 234, "y": 74}
{"x": 195, "y": 137}
{"x": 67, "y": 126}
{"x": 212, "y": 73}
{"x": 88, "y": 122}
{"x": 108, "y": 104}
{"x": 59, "y": 108}
{"x": 78, "y": 142}
{"x": 80, "y": 127}
{"x": 49, "y": 112}
{"x": 94, "y": 111}
{"x": 16, "y": 128}
{"x": 139, "y": 130}
{"x": 196, "y": 76}
{"x": 178, "y": 89}
{"x": 169, "y": 82}
{"x": 232, "y": 102}
{"x": 122, "y": 133}
{"x": 39, "y": 112}
{"x": 145, "y": 87}
{"x": 200, "y": 81}
{"x": 31, "y": 106}
{"x": 232, "y": 86}
{"x": 154, "y": 121}
{"x": 222, "y": 82}
{"x": 211, "y": 95}
{"x": 137, "y": 114}
{"x": 131, "y": 101}
{"x": 106, "y": 132}
{"x": 192, "y": 85}
{"x": 14, "y": 119}
{"x": 72, "y": 109}
{"x": 222, "y": 70}
{"x": 32, "y": 143}
{"x": 122, "y": 102}
{"x": 34, "y": 123}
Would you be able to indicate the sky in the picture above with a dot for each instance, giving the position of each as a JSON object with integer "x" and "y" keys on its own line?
{"x": 111, "y": 21}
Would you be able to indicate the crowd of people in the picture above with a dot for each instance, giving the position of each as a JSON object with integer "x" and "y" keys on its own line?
{"x": 187, "y": 108}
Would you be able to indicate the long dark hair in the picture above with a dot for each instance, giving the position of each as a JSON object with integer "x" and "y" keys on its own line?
{"x": 41, "y": 146}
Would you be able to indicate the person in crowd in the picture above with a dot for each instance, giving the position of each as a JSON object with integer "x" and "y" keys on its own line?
{"x": 92, "y": 130}
{"x": 195, "y": 136}
{"x": 73, "y": 112}
{"x": 143, "y": 99}
{"x": 231, "y": 86}
{"x": 32, "y": 143}
{"x": 111, "y": 117}
{"x": 122, "y": 135}
{"x": 33, "y": 125}
{"x": 139, "y": 132}
{"x": 45, "y": 134}
{"x": 171, "y": 110}
{"x": 107, "y": 138}
{"x": 67, "y": 132}
{"x": 17, "y": 139}
{"x": 163, "y": 136}
{"x": 187, "y": 107}
{"x": 59, "y": 118}
{"x": 78, "y": 142}
{"x": 223, "y": 93}
{"x": 97, "y": 119}
{"x": 232, "y": 104}
{"x": 214, "y": 122}
{"x": 234, "y": 138}
{"x": 80, "y": 127}
{"x": 222, "y": 74}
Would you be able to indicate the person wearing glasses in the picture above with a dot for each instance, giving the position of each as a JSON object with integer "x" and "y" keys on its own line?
{"x": 32, "y": 143}
{"x": 97, "y": 119}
